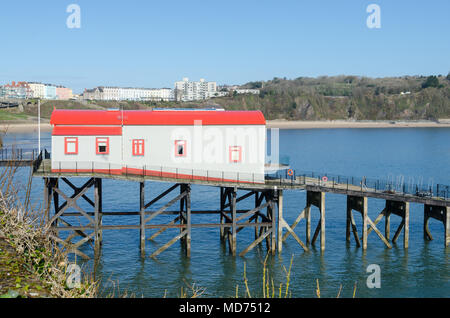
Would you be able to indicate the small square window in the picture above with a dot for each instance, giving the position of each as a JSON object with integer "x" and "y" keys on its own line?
{"x": 235, "y": 153}
{"x": 71, "y": 145}
{"x": 180, "y": 148}
{"x": 102, "y": 145}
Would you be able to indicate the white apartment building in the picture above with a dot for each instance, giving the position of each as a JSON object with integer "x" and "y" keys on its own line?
{"x": 129, "y": 93}
{"x": 38, "y": 90}
{"x": 188, "y": 91}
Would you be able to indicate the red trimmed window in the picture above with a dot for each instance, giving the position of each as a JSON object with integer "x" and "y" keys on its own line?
{"x": 180, "y": 148}
{"x": 235, "y": 153}
{"x": 71, "y": 145}
{"x": 102, "y": 145}
{"x": 138, "y": 147}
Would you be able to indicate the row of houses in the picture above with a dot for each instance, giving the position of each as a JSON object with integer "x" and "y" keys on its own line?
{"x": 128, "y": 93}
{"x": 184, "y": 90}
{"x": 26, "y": 90}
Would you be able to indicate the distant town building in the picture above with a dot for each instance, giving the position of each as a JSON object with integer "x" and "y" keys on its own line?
{"x": 128, "y": 93}
{"x": 38, "y": 90}
{"x": 63, "y": 93}
{"x": 189, "y": 91}
{"x": 49, "y": 91}
{"x": 20, "y": 90}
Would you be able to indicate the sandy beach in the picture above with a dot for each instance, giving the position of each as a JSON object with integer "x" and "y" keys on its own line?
{"x": 285, "y": 124}
{"x": 32, "y": 127}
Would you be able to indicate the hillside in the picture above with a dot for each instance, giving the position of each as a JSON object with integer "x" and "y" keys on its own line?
{"x": 322, "y": 98}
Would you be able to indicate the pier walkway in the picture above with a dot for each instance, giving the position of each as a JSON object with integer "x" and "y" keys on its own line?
{"x": 266, "y": 218}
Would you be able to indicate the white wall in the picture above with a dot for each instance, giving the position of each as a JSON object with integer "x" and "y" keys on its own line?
{"x": 87, "y": 154}
{"x": 207, "y": 152}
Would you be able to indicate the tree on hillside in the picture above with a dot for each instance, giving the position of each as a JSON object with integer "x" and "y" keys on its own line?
{"x": 431, "y": 81}
{"x": 448, "y": 76}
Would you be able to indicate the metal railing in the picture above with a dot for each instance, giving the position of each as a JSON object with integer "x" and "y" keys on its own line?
{"x": 362, "y": 184}
{"x": 112, "y": 169}
{"x": 284, "y": 178}
{"x": 19, "y": 154}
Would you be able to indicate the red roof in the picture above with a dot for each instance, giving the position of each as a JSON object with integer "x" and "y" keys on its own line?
{"x": 156, "y": 117}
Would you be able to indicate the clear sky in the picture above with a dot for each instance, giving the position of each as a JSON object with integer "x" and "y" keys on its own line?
{"x": 154, "y": 43}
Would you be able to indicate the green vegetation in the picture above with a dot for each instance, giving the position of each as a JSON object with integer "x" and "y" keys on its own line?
{"x": 31, "y": 265}
{"x": 304, "y": 98}
{"x": 432, "y": 81}
{"x": 9, "y": 115}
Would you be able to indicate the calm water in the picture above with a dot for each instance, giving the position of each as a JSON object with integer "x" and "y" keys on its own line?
{"x": 420, "y": 271}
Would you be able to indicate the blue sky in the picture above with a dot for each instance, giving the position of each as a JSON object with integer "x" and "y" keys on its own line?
{"x": 154, "y": 43}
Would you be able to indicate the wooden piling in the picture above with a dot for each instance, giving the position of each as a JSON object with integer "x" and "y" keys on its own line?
{"x": 280, "y": 224}
{"x": 318, "y": 199}
{"x": 233, "y": 216}
{"x": 188, "y": 219}
{"x": 142, "y": 217}
{"x": 97, "y": 217}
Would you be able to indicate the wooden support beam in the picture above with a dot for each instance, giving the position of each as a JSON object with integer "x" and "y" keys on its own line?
{"x": 142, "y": 217}
{"x": 188, "y": 219}
{"x": 161, "y": 210}
{"x": 256, "y": 242}
{"x": 308, "y": 223}
{"x": 426, "y": 231}
{"x": 97, "y": 216}
{"x": 365, "y": 217}
{"x": 440, "y": 213}
{"x": 71, "y": 202}
{"x": 381, "y": 236}
{"x": 151, "y": 238}
{"x": 300, "y": 217}
{"x": 222, "y": 209}
{"x": 233, "y": 216}
{"x": 447, "y": 227}
{"x": 291, "y": 232}
{"x": 270, "y": 210}
{"x": 317, "y": 199}
{"x": 168, "y": 244}
{"x": 75, "y": 188}
{"x": 245, "y": 196}
{"x": 280, "y": 221}
{"x": 162, "y": 195}
{"x": 358, "y": 204}
{"x": 253, "y": 211}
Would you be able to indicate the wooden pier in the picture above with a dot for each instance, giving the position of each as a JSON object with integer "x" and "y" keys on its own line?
{"x": 266, "y": 217}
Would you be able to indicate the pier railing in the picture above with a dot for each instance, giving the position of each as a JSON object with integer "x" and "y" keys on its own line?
{"x": 114, "y": 169}
{"x": 18, "y": 154}
{"x": 363, "y": 184}
{"x": 284, "y": 178}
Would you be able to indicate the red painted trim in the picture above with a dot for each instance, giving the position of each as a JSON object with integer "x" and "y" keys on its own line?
{"x": 86, "y": 131}
{"x": 180, "y": 142}
{"x": 153, "y": 173}
{"x": 233, "y": 149}
{"x": 135, "y": 147}
{"x": 99, "y": 140}
{"x": 160, "y": 117}
{"x": 173, "y": 175}
{"x": 68, "y": 140}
